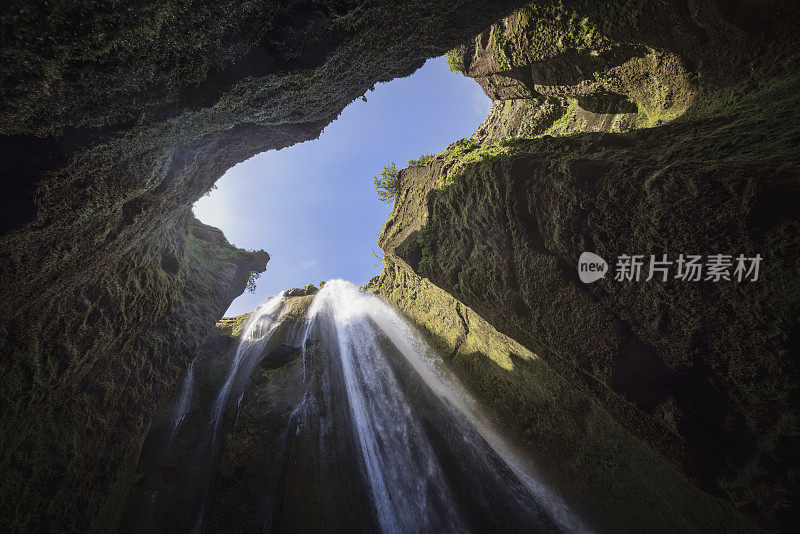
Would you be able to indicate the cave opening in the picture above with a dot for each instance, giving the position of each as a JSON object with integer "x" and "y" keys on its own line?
{"x": 477, "y": 384}
{"x": 313, "y": 206}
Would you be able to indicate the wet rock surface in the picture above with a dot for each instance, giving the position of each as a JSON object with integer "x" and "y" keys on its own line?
{"x": 703, "y": 372}
{"x": 301, "y": 430}
{"x": 114, "y": 121}
{"x": 504, "y": 238}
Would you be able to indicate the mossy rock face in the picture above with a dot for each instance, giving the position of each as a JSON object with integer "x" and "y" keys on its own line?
{"x": 83, "y": 373}
{"x": 236, "y": 479}
{"x": 704, "y": 373}
{"x": 608, "y": 473}
{"x": 708, "y": 365}
{"x": 561, "y": 67}
{"x": 115, "y": 120}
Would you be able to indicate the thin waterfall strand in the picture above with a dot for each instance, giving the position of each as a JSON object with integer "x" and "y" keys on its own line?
{"x": 184, "y": 401}
{"x": 256, "y": 331}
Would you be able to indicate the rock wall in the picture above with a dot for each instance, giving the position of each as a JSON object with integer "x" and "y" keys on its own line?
{"x": 579, "y": 439}
{"x": 556, "y": 68}
{"x": 245, "y": 474}
{"x": 87, "y": 358}
{"x": 704, "y": 372}
{"x": 115, "y": 119}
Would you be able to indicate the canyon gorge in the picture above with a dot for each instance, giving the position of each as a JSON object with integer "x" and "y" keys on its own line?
{"x": 476, "y": 382}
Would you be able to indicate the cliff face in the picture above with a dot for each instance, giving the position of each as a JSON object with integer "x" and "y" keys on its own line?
{"x": 554, "y": 68}
{"x": 114, "y": 121}
{"x": 240, "y": 485}
{"x": 703, "y": 372}
{"x": 590, "y": 449}
{"x": 90, "y": 349}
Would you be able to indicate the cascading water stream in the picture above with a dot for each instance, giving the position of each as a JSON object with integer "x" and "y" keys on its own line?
{"x": 405, "y": 474}
{"x": 254, "y": 336}
{"x": 368, "y": 431}
{"x": 190, "y": 451}
{"x": 184, "y": 401}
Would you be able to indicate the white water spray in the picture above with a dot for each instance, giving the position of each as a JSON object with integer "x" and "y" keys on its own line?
{"x": 389, "y": 435}
{"x": 255, "y": 334}
{"x": 257, "y": 331}
{"x": 404, "y": 473}
{"x": 184, "y": 401}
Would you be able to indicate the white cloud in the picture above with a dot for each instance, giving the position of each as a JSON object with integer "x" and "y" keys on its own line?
{"x": 308, "y": 264}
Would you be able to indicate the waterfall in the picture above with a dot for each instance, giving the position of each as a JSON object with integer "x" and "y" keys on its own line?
{"x": 405, "y": 474}
{"x": 254, "y": 336}
{"x": 182, "y": 406}
{"x": 377, "y": 434}
{"x": 256, "y": 332}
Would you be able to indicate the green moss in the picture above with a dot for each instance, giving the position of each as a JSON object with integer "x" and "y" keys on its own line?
{"x": 616, "y": 481}
{"x": 498, "y": 42}
{"x": 232, "y": 326}
{"x": 562, "y": 123}
{"x": 465, "y": 152}
{"x": 422, "y": 160}
{"x": 544, "y": 29}
{"x": 455, "y": 59}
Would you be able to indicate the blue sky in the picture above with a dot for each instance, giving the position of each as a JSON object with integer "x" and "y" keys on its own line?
{"x": 313, "y": 206}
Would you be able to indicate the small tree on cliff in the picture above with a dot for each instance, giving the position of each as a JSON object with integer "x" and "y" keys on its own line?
{"x": 251, "y": 281}
{"x": 387, "y": 185}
